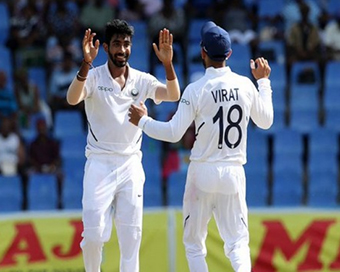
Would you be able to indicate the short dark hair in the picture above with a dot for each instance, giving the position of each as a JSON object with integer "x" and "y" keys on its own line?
{"x": 117, "y": 27}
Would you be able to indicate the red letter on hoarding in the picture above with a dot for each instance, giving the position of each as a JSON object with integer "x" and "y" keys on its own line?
{"x": 25, "y": 242}
{"x": 336, "y": 264}
{"x": 277, "y": 238}
{"x": 75, "y": 247}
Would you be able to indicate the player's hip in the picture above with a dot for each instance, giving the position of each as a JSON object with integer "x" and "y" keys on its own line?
{"x": 217, "y": 177}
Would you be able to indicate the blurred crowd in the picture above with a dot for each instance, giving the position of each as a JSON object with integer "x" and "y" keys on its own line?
{"x": 48, "y": 33}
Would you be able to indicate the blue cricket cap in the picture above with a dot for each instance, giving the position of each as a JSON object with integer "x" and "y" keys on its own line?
{"x": 215, "y": 41}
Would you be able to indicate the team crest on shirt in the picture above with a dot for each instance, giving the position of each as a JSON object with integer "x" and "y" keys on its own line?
{"x": 134, "y": 93}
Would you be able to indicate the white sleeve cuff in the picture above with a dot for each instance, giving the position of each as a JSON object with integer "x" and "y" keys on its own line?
{"x": 264, "y": 84}
{"x": 143, "y": 121}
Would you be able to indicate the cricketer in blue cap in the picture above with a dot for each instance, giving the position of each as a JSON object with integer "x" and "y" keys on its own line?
{"x": 215, "y": 41}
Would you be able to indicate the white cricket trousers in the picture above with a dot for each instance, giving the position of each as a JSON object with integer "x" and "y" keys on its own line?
{"x": 113, "y": 189}
{"x": 216, "y": 189}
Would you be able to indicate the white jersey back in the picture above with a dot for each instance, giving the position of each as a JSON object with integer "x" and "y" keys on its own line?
{"x": 107, "y": 106}
{"x": 221, "y": 104}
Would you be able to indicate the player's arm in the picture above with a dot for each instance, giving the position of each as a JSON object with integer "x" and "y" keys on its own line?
{"x": 164, "y": 53}
{"x": 76, "y": 92}
{"x": 262, "y": 111}
{"x": 171, "y": 131}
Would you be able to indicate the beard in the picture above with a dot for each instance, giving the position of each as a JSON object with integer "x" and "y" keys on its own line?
{"x": 116, "y": 62}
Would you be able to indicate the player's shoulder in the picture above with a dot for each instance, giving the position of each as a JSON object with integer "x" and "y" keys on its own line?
{"x": 98, "y": 71}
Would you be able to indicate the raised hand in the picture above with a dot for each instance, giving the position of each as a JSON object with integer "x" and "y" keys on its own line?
{"x": 260, "y": 68}
{"x": 164, "y": 51}
{"x": 90, "y": 50}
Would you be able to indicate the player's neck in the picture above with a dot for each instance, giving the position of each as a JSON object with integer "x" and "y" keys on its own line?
{"x": 116, "y": 71}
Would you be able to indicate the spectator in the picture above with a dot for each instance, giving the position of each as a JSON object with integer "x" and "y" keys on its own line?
{"x": 174, "y": 20}
{"x": 151, "y": 7}
{"x": 95, "y": 14}
{"x": 28, "y": 99}
{"x": 27, "y": 36}
{"x": 303, "y": 41}
{"x": 56, "y": 48}
{"x": 44, "y": 155}
{"x": 62, "y": 19}
{"x": 63, "y": 30}
{"x": 134, "y": 11}
{"x": 239, "y": 21}
{"x": 332, "y": 38}
{"x": 12, "y": 154}
{"x": 292, "y": 12}
{"x": 61, "y": 79}
{"x": 8, "y": 104}
{"x": 200, "y": 8}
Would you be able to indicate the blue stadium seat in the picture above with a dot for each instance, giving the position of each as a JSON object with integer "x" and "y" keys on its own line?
{"x": 11, "y": 193}
{"x": 73, "y": 146}
{"x": 332, "y": 72}
{"x": 73, "y": 166}
{"x": 273, "y": 51}
{"x": 240, "y": 59}
{"x": 152, "y": 160}
{"x": 331, "y": 97}
{"x": 42, "y": 192}
{"x": 72, "y": 191}
{"x": 257, "y": 168}
{"x": 140, "y": 60}
{"x": 152, "y": 194}
{"x": 304, "y": 97}
{"x": 287, "y": 168}
{"x": 278, "y": 77}
{"x": 279, "y": 98}
{"x": 67, "y": 123}
{"x": 304, "y": 108}
{"x": 140, "y": 31}
{"x": 195, "y": 26}
{"x": 6, "y": 64}
{"x": 287, "y": 180}
{"x": 194, "y": 53}
{"x": 333, "y": 7}
{"x": 322, "y": 161}
{"x": 4, "y": 23}
{"x": 256, "y": 188}
{"x": 332, "y": 118}
{"x": 176, "y": 186}
{"x": 323, "y": 140}
{"x": 304, "y": 120}
{"x": 101, "y": 57}
{"x": 323, "y": 190}
{"x": 287, "y": 141}
{"x": 269, "y": 8}
{"x": 279, "y": 122}
{"x": 310, "y": 70}
{"x": 257, "y": 144}
{"x": 151, "y": 149}
{"x": 38, "y": 76}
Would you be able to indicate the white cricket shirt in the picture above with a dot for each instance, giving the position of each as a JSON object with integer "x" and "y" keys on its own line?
{"x": 107, "y": 105}
{"x": 220, "y": 104}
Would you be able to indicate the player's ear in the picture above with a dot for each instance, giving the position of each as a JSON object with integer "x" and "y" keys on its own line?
{"x": 106, "y": 47}
{"x": 203, "y": 53}
{"x": 229, "y": 54}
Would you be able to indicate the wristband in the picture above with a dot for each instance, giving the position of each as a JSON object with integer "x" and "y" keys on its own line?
{"x": 88, "y": 63}
{"x": 81, "y": 78}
